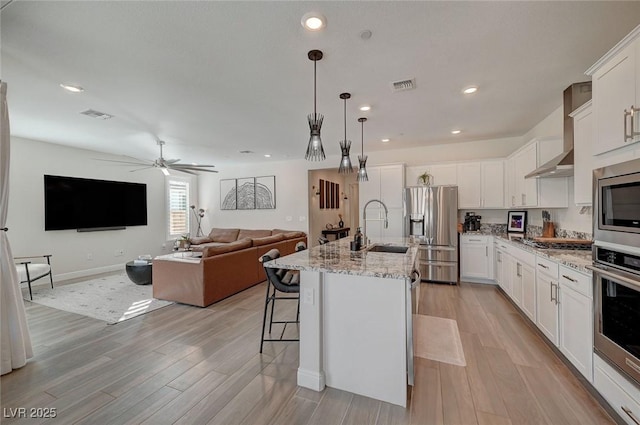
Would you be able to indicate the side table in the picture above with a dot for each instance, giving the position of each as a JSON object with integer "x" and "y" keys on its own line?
{"x": 139, "y": 273}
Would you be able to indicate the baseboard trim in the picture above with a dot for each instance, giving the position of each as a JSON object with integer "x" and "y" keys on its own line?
{"x": 85, "y": 273}
{"x": 312, "y": 380}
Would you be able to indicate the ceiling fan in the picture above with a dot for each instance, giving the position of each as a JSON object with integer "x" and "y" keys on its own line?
{"x": 165, "y": 164}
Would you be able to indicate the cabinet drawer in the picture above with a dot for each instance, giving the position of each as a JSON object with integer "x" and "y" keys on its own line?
{"x": 475, "y": 239}
{"x": 577, "y": 281}
{"x": 618, "y": 393}
{"x": 547, "y": 267}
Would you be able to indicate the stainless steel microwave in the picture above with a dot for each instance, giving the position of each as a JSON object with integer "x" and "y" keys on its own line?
{"x": 616, "y": 203}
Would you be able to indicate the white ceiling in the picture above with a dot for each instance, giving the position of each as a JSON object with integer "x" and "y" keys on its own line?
{"x": 213, "y": 78}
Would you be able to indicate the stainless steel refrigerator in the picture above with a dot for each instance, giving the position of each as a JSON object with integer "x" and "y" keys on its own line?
{"x": 431, "y": 216}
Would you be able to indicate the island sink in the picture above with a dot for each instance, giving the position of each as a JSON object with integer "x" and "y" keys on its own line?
{"x": 395, "y": 249}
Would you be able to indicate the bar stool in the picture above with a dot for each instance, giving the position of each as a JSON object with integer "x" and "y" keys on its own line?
{"x": 285, "y": 281}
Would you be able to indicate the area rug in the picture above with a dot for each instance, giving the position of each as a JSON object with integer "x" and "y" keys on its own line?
{"x": 437, "y": 339}
{"x": 112, "y": 298}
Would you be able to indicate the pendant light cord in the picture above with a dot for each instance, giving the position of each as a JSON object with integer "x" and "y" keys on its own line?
{"x": 315, "y": 61}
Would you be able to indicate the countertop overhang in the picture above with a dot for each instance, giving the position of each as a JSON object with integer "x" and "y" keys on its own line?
{"x": 337, "y": 257}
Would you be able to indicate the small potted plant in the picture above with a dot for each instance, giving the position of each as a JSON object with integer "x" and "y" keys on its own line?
{"x": 425, "y": 179}
{"x": 184, "y": 242}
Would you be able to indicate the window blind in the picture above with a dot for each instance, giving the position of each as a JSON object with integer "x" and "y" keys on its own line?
{"x": 178, "y": 208}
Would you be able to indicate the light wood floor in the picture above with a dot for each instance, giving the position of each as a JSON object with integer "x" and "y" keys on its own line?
{"x": 187, "y": 365}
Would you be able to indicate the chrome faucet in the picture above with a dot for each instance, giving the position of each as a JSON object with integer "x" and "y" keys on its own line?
{"x": 364, "y": 218}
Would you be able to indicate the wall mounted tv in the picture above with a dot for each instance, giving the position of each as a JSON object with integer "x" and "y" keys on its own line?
{"x": 87, "y": 205}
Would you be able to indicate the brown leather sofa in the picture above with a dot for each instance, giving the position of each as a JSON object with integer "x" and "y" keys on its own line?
{"x": 229, "y": 264}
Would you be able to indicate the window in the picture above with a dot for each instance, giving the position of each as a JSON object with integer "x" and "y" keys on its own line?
{"x": 178, "y": 200}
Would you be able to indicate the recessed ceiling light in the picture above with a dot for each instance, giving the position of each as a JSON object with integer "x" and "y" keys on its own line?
{"x": 366, "y": 34}
{"x": 385, "y": 140}
{"x": 470, "y": 89}
{"x": 313, "y": 21}
{"x": 455, "y": 131}
{"x": 365, "y": 108}
{"x": 72, "y": 88}
{"x": 267, "y": 155}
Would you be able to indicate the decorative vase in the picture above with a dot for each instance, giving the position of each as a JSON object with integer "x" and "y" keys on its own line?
{"x": 341, "y": 224}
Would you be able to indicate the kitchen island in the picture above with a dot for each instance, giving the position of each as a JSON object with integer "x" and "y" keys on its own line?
{"x": 355, "y": 318}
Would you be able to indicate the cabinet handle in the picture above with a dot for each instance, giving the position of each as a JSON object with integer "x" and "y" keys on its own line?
{"x": 551, "y": 292}
{"x": 543, "y": 266}
{"x": 518, "y": 269}
{"x": 475, "y": 240}
{"x": 568, "y": 278}
{"x": 628, "y": 136}
{"x": 557, "y": 294}
{"x": 486, "y": 251}
{"x": 629, "y": 413}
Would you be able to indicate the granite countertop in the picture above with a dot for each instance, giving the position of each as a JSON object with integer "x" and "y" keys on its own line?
{"x": 576, "y": 259}
{"x": 337, "y": 257}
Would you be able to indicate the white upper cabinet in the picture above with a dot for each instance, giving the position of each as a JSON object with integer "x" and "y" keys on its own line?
{"x": 443, "y": 174}
{"x": 493, "y": 187}
{"x": 481, "y": 184}
{"x": 543, "y": 192}
{"x": 582, "y": 154}
{"x": 616, "y": 95}
{"x": 386, "y": 183}
{"x": 469, "y": 195}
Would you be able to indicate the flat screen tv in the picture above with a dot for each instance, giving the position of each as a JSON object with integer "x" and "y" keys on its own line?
{"x": 87, "y": 204}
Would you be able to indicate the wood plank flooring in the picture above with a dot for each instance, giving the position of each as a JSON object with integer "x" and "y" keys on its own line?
{"x": 187, "y": 365}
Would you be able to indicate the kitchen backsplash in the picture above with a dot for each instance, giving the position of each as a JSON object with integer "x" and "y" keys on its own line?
{"x": 533, "y": 231}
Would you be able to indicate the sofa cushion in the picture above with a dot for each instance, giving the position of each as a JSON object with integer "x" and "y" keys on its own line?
{"x": 202, "y": 246}
{"x": 267, "y": 240}
{"x": 200, "y": 239}
{"x": 288, "y": 234}
{"x": 253, "y": 233}
{"x": 224, "y": 235}
{"x": 210, "y": 251}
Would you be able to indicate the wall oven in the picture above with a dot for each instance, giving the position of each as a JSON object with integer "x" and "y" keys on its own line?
{"x": 616, "y": 276}
{"x": 616, "y": 203}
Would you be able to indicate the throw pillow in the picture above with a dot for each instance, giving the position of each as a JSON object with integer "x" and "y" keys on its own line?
{"x": 200, "y": 239}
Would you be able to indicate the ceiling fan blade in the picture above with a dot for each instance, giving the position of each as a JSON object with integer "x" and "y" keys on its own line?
{"x": 141, "y": 161}
{"x": 182, "y": 170}
{"x": 192, "y": 168}
{"x": 171, "y": 161}
{"x": 143, "y": 168}
{"x": 193, "y": 165}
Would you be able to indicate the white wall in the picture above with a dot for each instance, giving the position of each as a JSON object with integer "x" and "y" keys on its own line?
{"x": 30, "y": 161}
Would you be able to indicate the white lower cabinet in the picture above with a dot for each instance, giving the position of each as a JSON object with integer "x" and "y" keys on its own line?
{"x": 576, "y": 320}
{"x": 528, "y": 275}
{"x": 476, "y": 258}
{"x": 623, "y": 396}
{"x": 547, "y": 298}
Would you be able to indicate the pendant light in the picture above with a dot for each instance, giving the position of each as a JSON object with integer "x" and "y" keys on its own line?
{"x": 362, "y": 159}
{"x": 315, "y": 151}
{"x": 345, "y": 145}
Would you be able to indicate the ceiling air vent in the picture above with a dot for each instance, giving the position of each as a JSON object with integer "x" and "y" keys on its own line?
{"x": 96, "y": 114}
{"x": 403, "y": 85}
{"x": 246, "y": 152}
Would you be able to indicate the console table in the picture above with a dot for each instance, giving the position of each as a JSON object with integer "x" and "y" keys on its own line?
{"x": 338, "y": 233}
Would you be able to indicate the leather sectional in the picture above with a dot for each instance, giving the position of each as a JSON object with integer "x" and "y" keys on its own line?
{"x": 229, "y": 264}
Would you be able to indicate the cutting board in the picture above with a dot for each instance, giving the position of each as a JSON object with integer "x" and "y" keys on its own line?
{"x": 564, "y": 240}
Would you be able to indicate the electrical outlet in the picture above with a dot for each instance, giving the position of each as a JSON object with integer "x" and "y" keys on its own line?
{"x": 89, "y": 256}
{"x": 289, "y": 218}
{"x": 302, "y": 218}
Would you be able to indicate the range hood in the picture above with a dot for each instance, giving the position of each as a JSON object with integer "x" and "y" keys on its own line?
{"x": 562, "y": 165}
